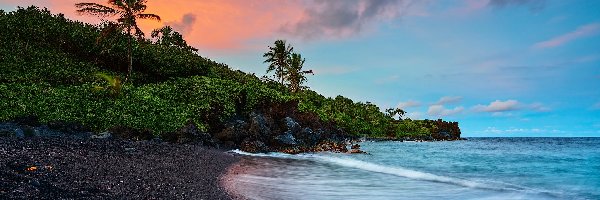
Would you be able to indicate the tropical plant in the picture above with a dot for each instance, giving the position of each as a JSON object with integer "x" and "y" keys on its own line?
{"x": 277, "y": 57}
{"x": 128, "y": 12}
{"x": 168, "y": 37}
{"x": 114, "y": 84}
{"x": 296, "y": 76}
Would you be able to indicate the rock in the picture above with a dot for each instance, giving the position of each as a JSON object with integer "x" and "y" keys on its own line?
{"x": 355, "y": 151}
{"x": 355, "y": 146}
{"x": 259, "y": 126}
{"x": 103, "y": 135}
{"x": 131, "y": 133}
{"x": 10, "y": 130}
{"x": 254, "y": 146}
{"x": 291, "y": 124}
{"x": 235, "y": 132}
{"x": 309, "y": 136}
{"x": 19, "y": 133}
{"x": 286, "y": 139}
{"x": 189, "y": 134}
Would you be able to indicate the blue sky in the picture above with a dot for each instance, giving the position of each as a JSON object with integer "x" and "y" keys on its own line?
{"x": 498, "y": 67}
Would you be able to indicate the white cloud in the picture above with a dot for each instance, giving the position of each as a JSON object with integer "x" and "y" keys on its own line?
{"x": 495, "y": 130}
{"x": 582, "y": 31}
{"x": 539, "y": 107}
{"x": 498, "y": 106}
{"x": 448, "y": 100}
{"x": 408, "y": 104}
{"x": 441, "y": 111}
{"x": 414, "y": 115}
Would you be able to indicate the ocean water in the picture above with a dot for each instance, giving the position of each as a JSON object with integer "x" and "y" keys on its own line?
{"x": 479, "y": 168}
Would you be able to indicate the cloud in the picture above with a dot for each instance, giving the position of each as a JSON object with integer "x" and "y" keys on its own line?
{"x": 388, "y": 79}
{"x": 184, "y": 26}
{"x": 498, "y": 106}
{"x": 448, "y": 100}
{"x": 534, "y": 5}
{"x": 408, "y": 104}
{"x": 414, "y": 115}
{"x": 582, "y": 31}
{"x": 341, "y": 18}
{"x": 539, "y": 107}
{"x": 441, "y": 111}
{"x": 520, "y": 130}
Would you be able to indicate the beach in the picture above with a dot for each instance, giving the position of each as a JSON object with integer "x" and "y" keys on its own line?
{"x": 77, "y": 168}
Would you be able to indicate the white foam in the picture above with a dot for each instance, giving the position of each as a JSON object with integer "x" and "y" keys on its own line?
{"x": 398, "y": 171}
{"x": 270, "y": 154}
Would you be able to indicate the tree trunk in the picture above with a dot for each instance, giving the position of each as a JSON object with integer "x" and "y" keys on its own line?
{"x": 129, "y": 57}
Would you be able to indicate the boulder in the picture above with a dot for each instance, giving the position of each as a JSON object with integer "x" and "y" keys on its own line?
{"x": 103, "y": 135}
{"x": 131, "y": 133}
{"x": 291, "y": 124}
{"x": 286, "y": 139}
{"x": 254, "y": 146}
{"x": 259, "y": 126}
{"x": 308, "y": 136}
{"x": 356, "y": 151}
{"x": 235, "y": 131}
{"x": 67, "y": 127}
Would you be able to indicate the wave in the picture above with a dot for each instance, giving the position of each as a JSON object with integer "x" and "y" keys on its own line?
{"x": 402, "y": 172}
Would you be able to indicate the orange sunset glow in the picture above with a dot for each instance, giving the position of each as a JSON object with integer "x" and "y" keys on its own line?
{"x": 210, "y": 24}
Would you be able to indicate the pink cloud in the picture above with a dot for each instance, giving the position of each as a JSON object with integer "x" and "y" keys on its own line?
{"x": 582, "y": 31}
{"x": 469, "y": 7}
{"x": 448, "y": 100}
{"x": 498, "y": 106}
{"x": 441, "y": 111}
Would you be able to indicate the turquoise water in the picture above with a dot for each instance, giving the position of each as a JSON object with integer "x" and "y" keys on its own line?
{"x": 479, "y": 168}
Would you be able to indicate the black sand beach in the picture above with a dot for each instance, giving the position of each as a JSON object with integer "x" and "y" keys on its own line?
{"x": 75, "y": 168}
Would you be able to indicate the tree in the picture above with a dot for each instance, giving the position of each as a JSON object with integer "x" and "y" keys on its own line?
{"x": 128, "y": 12}
{"x": 391, "y": 112}
{"x": 278, "y": 57}
{"x": 295, "y": 75}
{"x": 167, "y": 37}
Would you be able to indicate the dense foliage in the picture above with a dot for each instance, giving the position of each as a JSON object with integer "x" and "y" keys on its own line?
{"x": 49, "y": 66}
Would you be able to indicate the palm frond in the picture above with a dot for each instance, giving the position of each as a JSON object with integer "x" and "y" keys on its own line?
{"x": 149, "y": 16}
{"x": 138, "y": 32}
{"x": 95, "y": 9}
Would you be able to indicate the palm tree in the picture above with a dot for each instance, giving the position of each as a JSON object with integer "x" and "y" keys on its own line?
{"x": 295, "y": 75}
{"x": 128, "y": 12}
{"x": 278, "y": 57}
{"x": 168, "y": 37}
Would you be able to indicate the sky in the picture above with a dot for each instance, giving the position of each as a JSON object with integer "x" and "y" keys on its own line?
{"x": 501, "y": 68}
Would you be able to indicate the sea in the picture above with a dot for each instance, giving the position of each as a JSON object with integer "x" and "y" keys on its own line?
{"x": 477, "y": 168}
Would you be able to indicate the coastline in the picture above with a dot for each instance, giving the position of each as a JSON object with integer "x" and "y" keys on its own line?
{"x": 69, "y": 167}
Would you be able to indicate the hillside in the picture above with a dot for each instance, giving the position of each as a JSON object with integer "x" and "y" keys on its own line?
{"x": 49, "y": 66}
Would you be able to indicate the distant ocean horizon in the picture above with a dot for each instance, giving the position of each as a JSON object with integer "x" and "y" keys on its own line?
{"x": 478, "y": 168}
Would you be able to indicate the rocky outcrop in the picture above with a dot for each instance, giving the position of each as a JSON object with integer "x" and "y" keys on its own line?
{"x": 443, "y": 130}
{"x": 281, "y": 127}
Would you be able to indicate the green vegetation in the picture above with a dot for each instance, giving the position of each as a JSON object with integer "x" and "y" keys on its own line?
{"x": 129, "y": 11}
{"x": 50, "y": 66}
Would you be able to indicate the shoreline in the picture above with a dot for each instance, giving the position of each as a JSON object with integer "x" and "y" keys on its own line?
{"x": 67, "y": 168}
